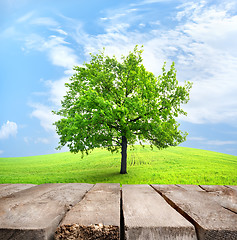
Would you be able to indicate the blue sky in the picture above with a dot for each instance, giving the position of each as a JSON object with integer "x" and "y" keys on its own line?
{"x": 40, "y": 42}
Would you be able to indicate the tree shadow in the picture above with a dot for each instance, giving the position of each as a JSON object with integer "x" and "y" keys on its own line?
{"x": 109, "y": 177}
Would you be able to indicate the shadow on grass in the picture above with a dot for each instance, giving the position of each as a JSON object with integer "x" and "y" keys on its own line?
{"x": 107, "y": 176}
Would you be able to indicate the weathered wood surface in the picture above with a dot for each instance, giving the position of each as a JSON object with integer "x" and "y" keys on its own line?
{"x": 98, "y": 213}
{"x": 203, "y": 209}
{"x": 35, "y": 213}
{"x": 187, "y": 187}
{"x": 7, "y": 189}
{"x": 231, "y": 186}
{"x": 225, "y": 196}
{"x": 144, "y": 212}
{"x": 148, "y": 216}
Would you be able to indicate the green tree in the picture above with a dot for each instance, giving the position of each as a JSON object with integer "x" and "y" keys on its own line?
{"x": 112, "y": 103}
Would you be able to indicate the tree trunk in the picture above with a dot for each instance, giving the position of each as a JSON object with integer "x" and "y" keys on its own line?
{"x": 124, "y": 156}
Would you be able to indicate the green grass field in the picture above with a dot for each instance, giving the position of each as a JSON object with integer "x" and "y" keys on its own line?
{"x": 175, "y": 165}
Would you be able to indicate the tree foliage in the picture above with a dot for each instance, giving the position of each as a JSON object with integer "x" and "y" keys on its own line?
{"x": 111, "y": 103}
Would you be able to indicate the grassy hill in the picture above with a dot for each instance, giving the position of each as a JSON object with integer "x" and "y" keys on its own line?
{"x": 175, "y": 165}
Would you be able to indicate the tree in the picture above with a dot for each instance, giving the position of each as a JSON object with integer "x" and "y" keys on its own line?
{"x": 112, "y": 104}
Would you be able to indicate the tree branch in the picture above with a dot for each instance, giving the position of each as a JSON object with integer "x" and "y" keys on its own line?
{"x": 126, "y": 94}
{"x": 116, "y": 141}
{"x": 117, "y": 97}
{"x": 139, "y": 117}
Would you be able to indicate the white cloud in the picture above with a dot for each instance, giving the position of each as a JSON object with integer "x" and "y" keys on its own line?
{"x": 44, "y": 21}
{"x": 45, "y": 116}
{"x": 57, "y": 90}
{"x": 221, "y": 143}
{"x": 8, "y": 129}
{"x": 37, "y": 140}
{"x": 42, "y": 140}
{"x": 60, "y": 54}
{"x": 9, "y": 32}
{"x": 157, "y": 22}
{"x": 34, "y": 41}
{"x": 144, "y": 2}
{"x": 55, "y": 47}
{"x": 212, "y": 26}
{"x": 117, "y": 40}
{"x": 118, "y": 20}
{"x": 1, "y": 152}
{"x": 55, "y": 93}
{"x": 209, "y": 59}
{"x": 116, "y": 14}
{"x": 142, "y": 25}
{"x": 25, "y": 17}
{"x": 117, "y": 28}
{"x": 27, "y": 139}
{"x": 63, "y": 56}
{"x": 203, "y": 45}
{"x": 152, "y": 1}
{"x": 59, "y": 30}
{"x": 196, "y": 138}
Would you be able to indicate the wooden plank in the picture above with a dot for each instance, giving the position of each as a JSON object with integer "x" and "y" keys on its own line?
{"x": 231, "y": 186}
{"x": 215, "y": 188}
{"x": 4, "y": 185}
{"x": 148, "y": 216}
{"x": 7, "y": 189}
{"x": 190, "y": 187}
{"x": 35, "y": 213}
{"x": 97, "y": 216}
{"x": 226, "y": 197}
{"x": 211, "y": 220}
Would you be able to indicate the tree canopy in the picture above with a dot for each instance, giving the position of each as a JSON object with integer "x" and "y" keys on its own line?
{"x": 111, "y": 103}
